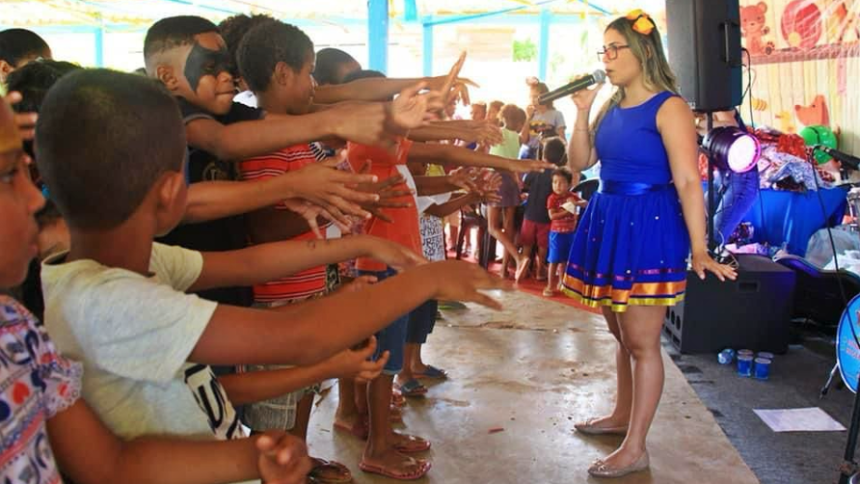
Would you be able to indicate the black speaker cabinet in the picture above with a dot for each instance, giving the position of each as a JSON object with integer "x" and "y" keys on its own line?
{"x": 704, "y": 46}
{"x": 752, "y": 312}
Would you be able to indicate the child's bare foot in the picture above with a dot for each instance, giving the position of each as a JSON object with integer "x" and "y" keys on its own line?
{"x": 549, "y": 292}
{"x": 394, "y": 465}
{"x": 522, "y": 268}
{"x": 408, "y": 444}
{"x": 355, "y": 425}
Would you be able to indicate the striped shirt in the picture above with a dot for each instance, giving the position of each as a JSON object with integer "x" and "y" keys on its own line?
{"x": 308, "y": 282}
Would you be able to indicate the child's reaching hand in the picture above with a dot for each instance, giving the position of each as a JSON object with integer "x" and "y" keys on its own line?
{"x": 461, "y": 281}
{"x": 311, "y": 213}
{"x": 283, "y": 458}
{"x": 389, "y": 253}
{"x": 353, "y": 363}
{"x": 323, "y": 185}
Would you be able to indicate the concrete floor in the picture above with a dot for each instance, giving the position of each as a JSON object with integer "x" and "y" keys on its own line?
{"x": 533, "y": 370}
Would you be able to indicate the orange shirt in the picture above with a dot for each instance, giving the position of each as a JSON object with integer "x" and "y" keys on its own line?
{"x": 305, "y": 283}
{"x": 403, "y": 229}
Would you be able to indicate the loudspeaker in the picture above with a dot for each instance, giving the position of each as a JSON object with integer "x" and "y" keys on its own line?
{"x": 752, "y": 312}
{"x": 704, "y": 45}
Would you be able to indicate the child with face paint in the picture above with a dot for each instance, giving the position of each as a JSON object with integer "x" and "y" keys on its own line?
{"x": 46, "y": 421}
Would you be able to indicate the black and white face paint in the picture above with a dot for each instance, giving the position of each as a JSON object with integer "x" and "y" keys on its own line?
{"x": 204, "y": 62}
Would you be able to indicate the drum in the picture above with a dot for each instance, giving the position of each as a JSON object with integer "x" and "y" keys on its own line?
{"x": 847, "y": 347}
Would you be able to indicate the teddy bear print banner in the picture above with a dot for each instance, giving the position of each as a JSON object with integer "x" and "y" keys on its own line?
{"x": 805, "y": 65}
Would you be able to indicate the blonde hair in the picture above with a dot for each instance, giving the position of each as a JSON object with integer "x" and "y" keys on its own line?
{"x": 648, "y": 50}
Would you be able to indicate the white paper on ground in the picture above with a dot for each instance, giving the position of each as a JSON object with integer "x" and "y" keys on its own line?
{"x": 799, "y": 420}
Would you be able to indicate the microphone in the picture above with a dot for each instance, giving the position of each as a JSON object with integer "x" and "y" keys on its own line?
{"x": 595, "y": 77}
{"x": 845, "y": 158}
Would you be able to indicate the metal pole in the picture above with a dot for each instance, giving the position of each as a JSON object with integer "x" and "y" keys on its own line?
{"x": 377, "y": 35}
{"x": 712, "y": 199}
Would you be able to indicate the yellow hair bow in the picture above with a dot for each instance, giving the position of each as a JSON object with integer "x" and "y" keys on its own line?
{"x": 642, "y": 22}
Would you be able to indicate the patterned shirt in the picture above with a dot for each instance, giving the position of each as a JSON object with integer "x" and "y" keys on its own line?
{"x": 567, "y": 223}
{"x": 36, "y": 383}
{"x": 301, "y": 284}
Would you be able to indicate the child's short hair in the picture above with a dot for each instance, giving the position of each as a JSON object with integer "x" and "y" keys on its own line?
{"x": 103, "y": 139}
{"x": 18, "y": 44}
{"x": 496, "y": 105}
{"x": 562, "y": 172}
{"x": 234, "y": 28}
{"x": 512, "y": 114}
{"x": 554, "y": 151}
{"x": 34, "y": 80}
{"x": 267, "y": 44}
{"x": 172, "y": 32}
{"x": 328, "y": 62}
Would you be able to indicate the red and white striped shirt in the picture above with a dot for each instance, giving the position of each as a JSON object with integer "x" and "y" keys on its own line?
{"x": 308, "y": 282}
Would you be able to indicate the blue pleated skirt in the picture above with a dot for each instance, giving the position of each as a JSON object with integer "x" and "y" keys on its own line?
{"x": 630, "y": 248}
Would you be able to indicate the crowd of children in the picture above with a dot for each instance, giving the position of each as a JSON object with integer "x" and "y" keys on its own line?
{"x": 178, "y": 246}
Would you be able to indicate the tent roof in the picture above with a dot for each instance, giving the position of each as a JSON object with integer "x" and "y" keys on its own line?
{"x": 44, "y": 13}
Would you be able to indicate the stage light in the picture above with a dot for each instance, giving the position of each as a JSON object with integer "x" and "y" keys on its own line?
{"x": 732, "y": 149}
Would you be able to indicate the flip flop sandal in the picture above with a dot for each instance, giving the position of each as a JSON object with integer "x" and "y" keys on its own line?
{"x": 433, "y": 373}
{"x": 395, "y": 414}
{"x": 411, "y": 444}
{"x": 412, "y": 388}
{"x": 322, "y": 467}
{"x": 420, "y": 471}
{"x": 397, "y": 398}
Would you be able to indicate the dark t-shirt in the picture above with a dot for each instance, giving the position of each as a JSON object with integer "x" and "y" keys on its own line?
{"x": 218, "y": 235}
{"x": 539, "y": 186}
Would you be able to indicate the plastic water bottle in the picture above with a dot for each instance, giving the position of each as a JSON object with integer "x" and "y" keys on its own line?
{"x": 726, "y": 356}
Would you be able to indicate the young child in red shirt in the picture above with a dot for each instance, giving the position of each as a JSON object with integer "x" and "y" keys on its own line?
{"x": 563, "y": 207}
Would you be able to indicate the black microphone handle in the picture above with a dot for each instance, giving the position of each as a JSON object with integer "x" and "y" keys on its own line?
{"x": 567, "y": 90}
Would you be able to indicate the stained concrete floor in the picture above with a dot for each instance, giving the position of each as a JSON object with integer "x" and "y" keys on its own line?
{"x": 533, "y": 370}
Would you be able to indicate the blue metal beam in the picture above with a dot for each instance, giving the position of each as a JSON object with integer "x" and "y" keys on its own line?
{"x": 100, "y": 46}
{"x": 410, "y": 11}
{"x": 543, "y": 50}
{"x": 377, "y": 35}
{"x": 428, "y": 50}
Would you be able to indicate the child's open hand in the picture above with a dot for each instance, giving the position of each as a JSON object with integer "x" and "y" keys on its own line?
{"x": 353, "y": 363}
{"x": 408, "y": 109}
{"x": 323, "y": 185}
{"x": 311, "y": 213}
{"x": 461, "y": 281}
{"x": 386, "y": 191}
{"x": 391, "y": 254}
{"x": 283, "y": 458}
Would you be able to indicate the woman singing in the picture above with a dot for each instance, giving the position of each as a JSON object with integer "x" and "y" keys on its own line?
{"x": 630, "y": 250}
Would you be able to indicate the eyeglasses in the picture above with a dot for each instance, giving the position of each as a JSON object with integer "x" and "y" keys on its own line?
{"x": 611, "y": 52}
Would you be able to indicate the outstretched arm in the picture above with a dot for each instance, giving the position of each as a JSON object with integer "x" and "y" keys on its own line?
{"x": 316, "y": 329}
{"x": 146, "y": 460}
{"x": 267, "y": 262}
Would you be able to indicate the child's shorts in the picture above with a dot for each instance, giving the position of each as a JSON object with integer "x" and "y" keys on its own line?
{"x": 393, "y": 337}
{"x": 534, "y": 233}
{"x": 278, "y": 413}
{"x": 559, "y": 246}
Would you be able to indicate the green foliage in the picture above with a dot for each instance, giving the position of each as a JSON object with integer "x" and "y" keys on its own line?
{"x": 525, "y": 50}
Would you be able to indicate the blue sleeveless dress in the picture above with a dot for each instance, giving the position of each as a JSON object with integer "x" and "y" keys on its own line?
{"x": 632, "y": 244}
